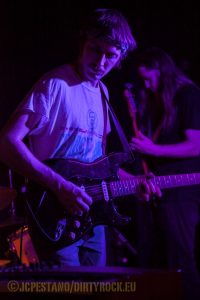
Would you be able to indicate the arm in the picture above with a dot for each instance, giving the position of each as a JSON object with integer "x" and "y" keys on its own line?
{"x": 188, "y": 148}
{"x": 15, "y": 153}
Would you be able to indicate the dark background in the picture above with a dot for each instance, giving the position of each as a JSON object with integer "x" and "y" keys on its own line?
{"x": 36, "y": 36}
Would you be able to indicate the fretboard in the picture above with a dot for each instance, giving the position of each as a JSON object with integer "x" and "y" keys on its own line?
{"x": 131, "y": 186}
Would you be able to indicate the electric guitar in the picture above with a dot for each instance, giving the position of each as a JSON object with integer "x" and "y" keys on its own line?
{"x": 100, "y": 180}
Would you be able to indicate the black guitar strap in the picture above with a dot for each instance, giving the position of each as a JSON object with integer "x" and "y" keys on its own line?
{"x": 118, "y": 127}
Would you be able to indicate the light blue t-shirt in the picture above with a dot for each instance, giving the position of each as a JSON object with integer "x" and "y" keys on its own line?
{"x": 70, "y": 122}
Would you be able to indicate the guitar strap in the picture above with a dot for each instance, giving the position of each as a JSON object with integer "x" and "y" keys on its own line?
{"x": 118, "y": 127}
{"x": 105, "y": 115}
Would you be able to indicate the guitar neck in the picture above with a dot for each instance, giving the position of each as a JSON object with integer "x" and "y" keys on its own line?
{"x": 132, "y": 186}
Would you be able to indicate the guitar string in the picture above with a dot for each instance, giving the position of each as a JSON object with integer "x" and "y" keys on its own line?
{"x": 128, "y": 184}
{"x": 96, "y": 190}
{"x": 125, "y": 183}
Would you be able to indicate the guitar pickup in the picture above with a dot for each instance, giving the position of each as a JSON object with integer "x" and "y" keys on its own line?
{"x": 105, "y": 191}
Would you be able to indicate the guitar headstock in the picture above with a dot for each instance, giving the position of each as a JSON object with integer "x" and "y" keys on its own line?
{"x": 129, "y": 97}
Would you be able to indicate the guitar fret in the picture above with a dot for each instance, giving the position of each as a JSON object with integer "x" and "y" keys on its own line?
{"x": 173, "y": 180}
{"x": 179, "y": 180}
{"x": 189, "y": 178}
{"x": 184, "y": 180}
{"x": 192, "y": 178}
{"x": 124, "y": 187}
{"x": 113, "y": 188}
{"x": 163, "y": 184}
{"x": 131, "y": 186}
{"x": 176, "y": 180}
{"x": 167, "y": 180}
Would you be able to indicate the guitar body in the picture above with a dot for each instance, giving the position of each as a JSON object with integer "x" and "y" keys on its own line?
{"x": 56, "y": 225}
{"x": 100, "y": 180}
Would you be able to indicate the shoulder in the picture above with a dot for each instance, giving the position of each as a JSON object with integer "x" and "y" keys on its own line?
{"x": 60, "y": 77}
{"x": 48, "y": 87}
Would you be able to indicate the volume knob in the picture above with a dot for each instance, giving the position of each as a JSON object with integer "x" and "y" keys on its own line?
{"x": 72, "y": 235}
{"x": 76, "y": 224}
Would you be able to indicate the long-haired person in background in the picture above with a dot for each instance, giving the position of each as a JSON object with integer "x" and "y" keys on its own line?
{"x": 65, "y": 116}
{"x": 169, "y": 141}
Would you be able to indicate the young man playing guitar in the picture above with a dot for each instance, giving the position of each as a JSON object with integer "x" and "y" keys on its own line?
{"x": 64, "y": 117}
